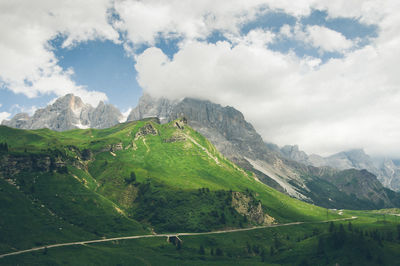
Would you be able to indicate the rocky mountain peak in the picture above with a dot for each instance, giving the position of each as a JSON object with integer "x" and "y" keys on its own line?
{"x": 68, "y": 112}
{"x": 68, "y": 101}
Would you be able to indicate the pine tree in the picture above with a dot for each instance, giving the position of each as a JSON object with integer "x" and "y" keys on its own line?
{"x": 178, "y": 245}
{"x": 398, "y": 232}
{"x": 263, "y": 255}
{"x": 331, "y": 227}
{"x": 320, "y": 248}
{"x": 271, "y": 251}
{"x": 201, "y": 250}
{"x": 219, "y": 252}
{"x": 350, "y": 227}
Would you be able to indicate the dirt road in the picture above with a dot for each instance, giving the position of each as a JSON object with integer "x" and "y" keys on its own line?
{"x": 163, "y": 235}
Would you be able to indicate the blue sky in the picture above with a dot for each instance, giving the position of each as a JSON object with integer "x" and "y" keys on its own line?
{"x": 314, "y": 69}
{"x": 105, "y": 66}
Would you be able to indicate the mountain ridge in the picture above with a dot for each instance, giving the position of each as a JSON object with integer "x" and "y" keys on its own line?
{"x": 236, "y": 139}
{"x": 387, "y": 172}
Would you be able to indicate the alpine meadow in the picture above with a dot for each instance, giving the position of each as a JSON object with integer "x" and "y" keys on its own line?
{"x": 199, "y": 132}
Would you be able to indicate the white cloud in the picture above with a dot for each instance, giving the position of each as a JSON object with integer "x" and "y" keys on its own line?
{"x": 16, "y": 108}
{"x": 327, "y": 40}
{"x": 320, "y": 37}
{"x": 28, "y": 63}
{"x": 345, "y": 103}
{"x": 4, "y": 116}
{"x": 145, "y": 21}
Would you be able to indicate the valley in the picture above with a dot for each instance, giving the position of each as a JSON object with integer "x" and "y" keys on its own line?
{"x": 106, "y": 194}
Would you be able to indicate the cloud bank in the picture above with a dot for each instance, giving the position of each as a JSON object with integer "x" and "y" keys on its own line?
{"x": 323, "y": 103}
{"x": 28, "y": 64}
{"x": 348, "y": 102}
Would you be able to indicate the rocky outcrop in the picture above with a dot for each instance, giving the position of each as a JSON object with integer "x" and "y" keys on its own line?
{"x": 68, "y": 112}
{"x": 116, "y": 147}
{"x": 147, "y": 129}
{"x": 247, "y": 206}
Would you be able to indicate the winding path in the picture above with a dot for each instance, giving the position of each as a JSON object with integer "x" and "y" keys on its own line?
{"x": 164, "y": 235}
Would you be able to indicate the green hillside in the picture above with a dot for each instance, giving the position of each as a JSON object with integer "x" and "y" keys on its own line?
{"x": 143, "y": 178}
{"x": 133, "y": 178}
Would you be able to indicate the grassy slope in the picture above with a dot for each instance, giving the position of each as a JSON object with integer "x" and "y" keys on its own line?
{"x": 171, "y": 169}
{"x": 98, "y": 202}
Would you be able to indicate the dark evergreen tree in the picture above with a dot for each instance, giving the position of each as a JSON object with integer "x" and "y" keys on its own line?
{"x": 263, "y": 255}
{"x": 350, "y": 227}
{"x": 331, "y": 227}
{"x": 201, "y": 250}
{"x": 178, "y": 244}
{"x": 303, "y": 262}
{"x": 219, "y": 252}
{"x": 398, "y": 232}
{"x": 222, "y": 219}
{"x": 277, "y": 242}
{"x": 248, "y": 248}
{"x": 131, "y": 179}
{"x": 320, "y": 247}
{"x": 256, "y": 249}
{"x": 272, "y": 251}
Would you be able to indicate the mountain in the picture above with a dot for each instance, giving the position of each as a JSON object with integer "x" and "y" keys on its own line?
{"x": 287, "y": 170}
{"x": 133, "y": 178}
{"x": 232, "y": 135}
{"x": 387, "y": 172}
{"x": 237, "y": 139}
{"x": 68, "y": 112}
{"x": 156, "y": 186}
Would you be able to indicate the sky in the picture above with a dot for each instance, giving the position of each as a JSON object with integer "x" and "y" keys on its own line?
{"x": 317, "y": 73}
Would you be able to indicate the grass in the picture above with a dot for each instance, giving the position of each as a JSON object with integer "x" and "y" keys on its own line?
{"x": 180, "y": 185}
{"x": 306, "y": 244}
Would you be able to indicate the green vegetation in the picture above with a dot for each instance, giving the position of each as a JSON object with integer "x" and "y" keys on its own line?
{"x": 366, "y": 240}
{"x": 142, "y": 177}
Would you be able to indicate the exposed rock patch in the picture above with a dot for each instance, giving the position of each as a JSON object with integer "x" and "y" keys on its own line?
{"x": 147, "y": 129}
{"x": 181, "y": 123}
{"x": 116, "y": 147}
{"x": 251, "y": 208}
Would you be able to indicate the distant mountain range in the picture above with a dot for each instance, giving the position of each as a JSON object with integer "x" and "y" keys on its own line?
{"x": 386, "y": 170}
{"x": 309, "y": 178}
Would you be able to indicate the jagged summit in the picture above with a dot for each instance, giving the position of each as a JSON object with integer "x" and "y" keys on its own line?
{"x": 68, "y": 112}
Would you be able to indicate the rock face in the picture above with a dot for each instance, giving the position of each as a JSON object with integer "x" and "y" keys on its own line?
{"x": 232, "y": 135}
{"x": 151, "y": 107}
{"x": 66, "y": 113}
{"x": 310, "y": 178}
{"x": 252, "y": 209}
{"x": 227, "y": 129}
{"x": 387, "y": 172}
{"x": 284, "y": 169}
